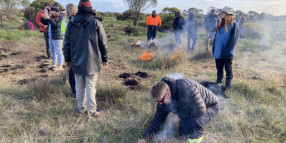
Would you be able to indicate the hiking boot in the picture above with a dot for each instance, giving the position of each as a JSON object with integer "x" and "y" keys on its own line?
{"x": 73, "y": 95}
{"x": 51, "y": 66}
{"x": 58, "y": 68}
{"x": 95, "y": 114}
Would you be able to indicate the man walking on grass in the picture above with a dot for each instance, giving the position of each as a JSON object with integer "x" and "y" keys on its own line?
{"x": 193, "y": 107}
{"x": 85, "y": 39}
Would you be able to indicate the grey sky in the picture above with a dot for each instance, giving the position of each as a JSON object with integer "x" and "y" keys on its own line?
{"x": 275, "y": 7}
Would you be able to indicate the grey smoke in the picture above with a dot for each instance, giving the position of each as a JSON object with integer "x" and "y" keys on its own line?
{"x": 175, "y": 75}
{"x": 166, "y": 133}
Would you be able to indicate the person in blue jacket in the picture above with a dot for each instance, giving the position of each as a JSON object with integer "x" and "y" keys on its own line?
{"x": 224, "y": 45}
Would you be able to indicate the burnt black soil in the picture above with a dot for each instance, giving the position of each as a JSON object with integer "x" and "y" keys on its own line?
{"x": 5, "y": 66}
{"x": 18, "y": 67}
{"x": 3, "y": 70}
{"x": 3, "y": 56}
{"x": 142, "y": 74}
{"x": 26, "y": 81}
{"x": 203, "y": 56}
{"x": 124, "y": 75}
{"x": 131, "y": 82}
{"x": 256, "y": 78}
{"x": 39, "y": 58}
{"x": 42, "y": 71}
{"x": 15, "y": 53}
{"x": 43, "y": 65}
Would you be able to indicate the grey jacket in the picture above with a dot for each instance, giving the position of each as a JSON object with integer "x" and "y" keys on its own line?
{"x": 189, "y": 100}
{"x": 84, "y": 43}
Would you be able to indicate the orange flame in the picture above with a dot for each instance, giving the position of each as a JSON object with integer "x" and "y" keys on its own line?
{"x": 147, "y": 56}
{"x": 177, "y": 55}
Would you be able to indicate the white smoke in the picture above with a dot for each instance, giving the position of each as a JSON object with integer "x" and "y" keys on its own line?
{"x": 175, "y": 75}
{"x": 166, "y": 133}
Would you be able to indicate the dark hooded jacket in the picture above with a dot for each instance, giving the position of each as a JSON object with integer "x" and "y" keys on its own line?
{"x": 84, "y": 43}
{"x": 179, "y": 23}
{"x": 189, "y": 100}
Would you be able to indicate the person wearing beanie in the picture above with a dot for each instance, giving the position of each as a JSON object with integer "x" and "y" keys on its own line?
{"x": 224, "y": 45}
{"x": 153, "y": 22}
{"x": 43, "y": 27}
{"x": 191, "y": 29}
{"x": 178, "y": 26}
{"x": 210, "y": 23}
{"x": 85, "y": 39}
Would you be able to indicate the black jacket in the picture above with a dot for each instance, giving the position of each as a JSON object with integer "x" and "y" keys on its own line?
{"x": 189, "y": 100}
{"x": 179, "y": 23}
{"x": 85, "y": 41}
{"x": 56, "y": 29}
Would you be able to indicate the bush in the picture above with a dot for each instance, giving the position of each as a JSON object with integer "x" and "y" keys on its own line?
{"x": 30, "y": 14}
{"x": 139, "y": 31}
{"x": 255, "y": 31}
{"x": 16, "y": 35}
{"x": 167, "y": 22}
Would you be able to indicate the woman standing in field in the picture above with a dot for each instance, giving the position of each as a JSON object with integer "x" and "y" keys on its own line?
{"x": 71, "y": 10}
{"x": 225, "y": 44}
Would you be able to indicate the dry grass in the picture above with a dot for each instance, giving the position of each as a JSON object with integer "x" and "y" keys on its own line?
{"x": 42, "y": 111}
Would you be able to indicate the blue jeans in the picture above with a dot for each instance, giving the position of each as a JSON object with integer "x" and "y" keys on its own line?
{"x": 56, "y": 48}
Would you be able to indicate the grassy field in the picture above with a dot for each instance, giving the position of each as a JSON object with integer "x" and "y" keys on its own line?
{"x": 35, "y": 103}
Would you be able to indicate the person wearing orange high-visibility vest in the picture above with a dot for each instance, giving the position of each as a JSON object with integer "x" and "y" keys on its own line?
{"x": 153, "y": 22}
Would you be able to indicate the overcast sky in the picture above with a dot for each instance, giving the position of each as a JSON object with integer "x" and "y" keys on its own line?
{"x": 275, "y": 7}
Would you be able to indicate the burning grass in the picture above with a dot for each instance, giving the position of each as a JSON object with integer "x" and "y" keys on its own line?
{"x": 147, "y": 56}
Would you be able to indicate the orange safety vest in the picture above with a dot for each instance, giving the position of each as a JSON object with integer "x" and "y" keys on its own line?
{"x": 154, "y": 21}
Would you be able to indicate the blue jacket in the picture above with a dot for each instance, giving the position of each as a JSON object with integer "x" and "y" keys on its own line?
{"x": 225, "y": 42}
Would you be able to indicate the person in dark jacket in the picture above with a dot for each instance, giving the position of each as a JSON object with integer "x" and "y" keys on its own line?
{"x": 240, "y": 22}
{"x": 178, "y": 27}
{"x": 192, "y": 29}
{"x": 128, "y": 30}
{"x": 193, "y": 107}
{"x": 85, "y": 50}
{"x": 210, "y": 23}
{"x": 224, "y": 45}
{"x": 57, "y": 38}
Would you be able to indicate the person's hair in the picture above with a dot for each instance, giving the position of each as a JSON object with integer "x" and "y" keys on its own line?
{"x": 71, "y": 10}
{"x": 158, "y": 89}
{"x": 229, "y": 19}
{"x": 56, "y": 17}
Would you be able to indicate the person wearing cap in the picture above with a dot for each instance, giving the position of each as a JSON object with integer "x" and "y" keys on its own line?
{"x": 210, "y": 23}
{"x": 240, "y": 22}
{"x": 84, "y": 40}
{"x": 178, "y": 27}
{"x": 193, "y": 106}
{"x": 153, "y": 22}
{"x": 56, "y": 40}
{"x": 191, "y": 29}
{"x": 224, "y": 45}
{"x": 43, "y": 27}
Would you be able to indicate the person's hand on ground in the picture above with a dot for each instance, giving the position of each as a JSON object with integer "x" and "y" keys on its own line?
{"x": 142, "y": 141}
{"x": 176, "y": 120}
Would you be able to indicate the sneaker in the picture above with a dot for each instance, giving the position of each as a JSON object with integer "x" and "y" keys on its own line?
{"x": 51, "y": 66}
{"x": 94, "y": 114}
{"x": 58, "y": 68}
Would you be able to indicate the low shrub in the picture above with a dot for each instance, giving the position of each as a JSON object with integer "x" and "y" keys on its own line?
{"x": 255, "y": 31}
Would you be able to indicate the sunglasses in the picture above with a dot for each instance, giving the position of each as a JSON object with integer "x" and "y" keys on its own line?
{"x": 162, "y": 101}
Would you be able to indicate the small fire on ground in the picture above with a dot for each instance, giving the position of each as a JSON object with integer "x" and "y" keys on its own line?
{"x": 178, "y": 54}
{"x": 147, "y": 56}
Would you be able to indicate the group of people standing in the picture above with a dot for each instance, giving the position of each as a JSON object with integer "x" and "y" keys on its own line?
{"x": 82, "y": 35}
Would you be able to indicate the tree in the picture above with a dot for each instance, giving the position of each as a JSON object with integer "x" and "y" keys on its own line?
{"x": 252, "y": 14}
{"x": 239, "y": 12}
{"x": 170, "y": 10}
{"x": 138, "y": 6}
{"x": 195, "y": 11}
{"x": 39, "y": 4}
{"x": 26, "y": 3}
{"x": 9, "y": 7}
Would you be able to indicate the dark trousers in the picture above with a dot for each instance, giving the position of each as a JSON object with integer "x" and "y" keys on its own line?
{"x": 178, "y": 35}
{"x": 192, "y": 37}
{"x": 72, "y": 80}
{"x": 46, "y": 35}
{"x": 227, "y": 63}
{"x": 152, "y": 31}
{"x": 194, "y": 127}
